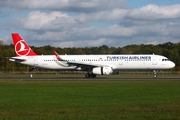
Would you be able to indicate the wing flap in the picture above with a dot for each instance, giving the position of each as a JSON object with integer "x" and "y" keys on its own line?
{"x": 83, "y": 64}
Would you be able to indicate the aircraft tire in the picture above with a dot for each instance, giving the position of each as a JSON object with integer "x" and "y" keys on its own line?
{"x": 87, "y": 75}
{"x": 93, "y": 75}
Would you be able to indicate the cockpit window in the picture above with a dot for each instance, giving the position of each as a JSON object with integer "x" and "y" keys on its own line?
{"x": 165, "y": 59}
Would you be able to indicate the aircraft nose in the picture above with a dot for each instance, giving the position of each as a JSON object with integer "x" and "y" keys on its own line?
{"x": 172, "y": 64}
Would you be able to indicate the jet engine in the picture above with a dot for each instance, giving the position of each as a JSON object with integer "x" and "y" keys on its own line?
{"x": 102, "y": 70}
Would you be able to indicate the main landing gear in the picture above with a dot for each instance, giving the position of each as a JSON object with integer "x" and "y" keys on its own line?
{"x": 90, "y": 75}
{"x": 154, "y": 74}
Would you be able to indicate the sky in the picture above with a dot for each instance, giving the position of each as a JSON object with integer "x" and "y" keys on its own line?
{"x": 90, "y": 23}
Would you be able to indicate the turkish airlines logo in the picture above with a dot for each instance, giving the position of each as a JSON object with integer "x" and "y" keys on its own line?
{"x": 21, "y": 48}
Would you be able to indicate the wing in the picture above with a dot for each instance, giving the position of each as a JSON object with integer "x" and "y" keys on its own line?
{"x": 82, "y": 65}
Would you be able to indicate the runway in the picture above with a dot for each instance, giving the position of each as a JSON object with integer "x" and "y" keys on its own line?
{"x": 83, "y": 79}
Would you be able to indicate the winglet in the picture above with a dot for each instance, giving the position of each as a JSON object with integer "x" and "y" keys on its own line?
{"x": 56, "y": 54}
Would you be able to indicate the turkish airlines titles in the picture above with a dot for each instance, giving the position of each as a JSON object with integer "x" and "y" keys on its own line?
{"x": 130, "y": 58}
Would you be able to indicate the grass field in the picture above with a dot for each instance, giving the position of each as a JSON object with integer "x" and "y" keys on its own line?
{"x": 89, "y": 100}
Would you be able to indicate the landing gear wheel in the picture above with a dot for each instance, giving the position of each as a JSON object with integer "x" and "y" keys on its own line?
{"x": 90, "y": 75}
{"x": 93, "y": 75}
{"x": 87, "y": 75}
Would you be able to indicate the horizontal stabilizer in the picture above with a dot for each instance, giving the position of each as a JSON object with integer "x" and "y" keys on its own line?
{"x": 17, "y": 59}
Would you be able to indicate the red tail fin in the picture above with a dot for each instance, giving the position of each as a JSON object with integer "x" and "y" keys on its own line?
{"x": 21, "y": 47}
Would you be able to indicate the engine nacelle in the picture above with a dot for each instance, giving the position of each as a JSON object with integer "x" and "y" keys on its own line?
{"x": 102, "y": 70}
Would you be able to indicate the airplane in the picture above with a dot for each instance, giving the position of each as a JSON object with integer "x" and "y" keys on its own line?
{"x": 93, "y": 64}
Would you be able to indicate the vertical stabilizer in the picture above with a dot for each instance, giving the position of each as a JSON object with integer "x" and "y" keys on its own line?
{"x": 21, "y": 47}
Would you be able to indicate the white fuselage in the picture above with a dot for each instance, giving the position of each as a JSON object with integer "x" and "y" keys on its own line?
{"x": 116, "y": 62}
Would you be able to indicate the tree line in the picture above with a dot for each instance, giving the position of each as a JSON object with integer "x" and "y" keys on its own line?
{"x": 170, "y": 50}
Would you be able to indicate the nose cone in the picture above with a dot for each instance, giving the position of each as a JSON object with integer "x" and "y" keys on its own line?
{"x": 171, "y": 65}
